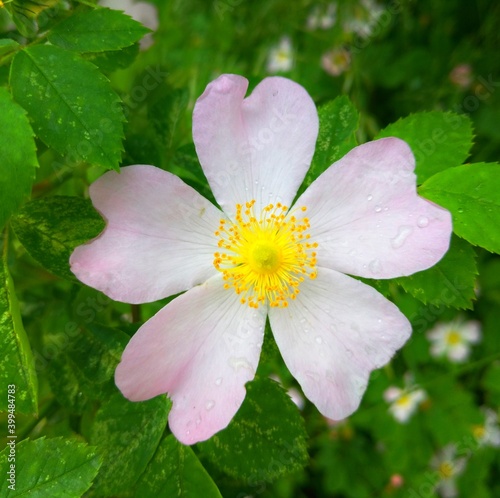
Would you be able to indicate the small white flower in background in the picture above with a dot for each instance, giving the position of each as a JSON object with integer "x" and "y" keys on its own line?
{"x": 489, "y": 433}
{"x": 322, "y": 17}
{"x": 454, "y": 339}
{"x": 336, "y": 61}
{"x": 365, "y": 16}
{"x": 448, "y": 467}
{"x": 404, "y": 402}
{"x": 280, "y": 57}
{"x": 143, "y": 12}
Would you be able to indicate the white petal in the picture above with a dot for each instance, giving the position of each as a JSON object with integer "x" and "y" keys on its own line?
{"x": 331, "y": 337}
{"x": 255, "y": 148}
{"x": 159, "y": 238}
{"x": 201, "y": 349}
{"x": 367, "y": 217}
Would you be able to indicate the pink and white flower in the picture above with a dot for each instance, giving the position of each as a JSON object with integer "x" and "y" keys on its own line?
{"x": 259, "y": 256}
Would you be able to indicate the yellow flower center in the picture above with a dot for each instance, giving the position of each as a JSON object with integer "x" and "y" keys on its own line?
{"x": 265, "y": 258}
{"x": 446, "y": 470}
{"x": 479, "y": 431}
{"x": 403, "y": 400}
{"x": 453, "y": 338}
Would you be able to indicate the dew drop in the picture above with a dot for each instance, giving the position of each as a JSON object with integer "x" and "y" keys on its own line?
{"x": 188, "y": 432}
{"x": 422, "y": 221}
{"x": 369, "y": 198}
{"x": 198, "y": 421}
{"x": 378, "y": 209}
{"x": 209, "y": 404}
{"x": 403, "y": 234}
{"x": 218, "y": 381}
{"x": 319, "y": 339}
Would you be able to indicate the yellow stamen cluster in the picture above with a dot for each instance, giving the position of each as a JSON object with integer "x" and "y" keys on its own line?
{"x": 265, "y": 258}
{"x": 453, "y": 338}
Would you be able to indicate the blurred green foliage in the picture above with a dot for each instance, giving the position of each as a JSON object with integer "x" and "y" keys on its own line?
{"x": 391, "y": 59}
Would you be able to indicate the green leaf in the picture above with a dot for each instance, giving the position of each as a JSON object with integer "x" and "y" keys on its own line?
{"x": 17, "y": 167}
{"x": 175, "y": 471}
{"x": 59, "y": 468}
{"x": 25, "y": 14}
{"x": 127, "y": 435}
{"x": 50, "y": 228}
{"x": 338, "y": 122}
{"x": 8, "y": 45}
{"x": 70, "y": 103}
{"x": 266, "y": 438}
{"x": 450, "y": 282}
{"x": 439, "y": 140}
{"x": 88, "y": 356}
{"x": 97, "y": 31}
{"x": 470, "y": 192}
{"x": 18, "y": 382}
{"x": 111, "y": 60}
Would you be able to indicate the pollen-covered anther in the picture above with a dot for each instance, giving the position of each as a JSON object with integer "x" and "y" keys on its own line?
{"x": 268, "y": 256}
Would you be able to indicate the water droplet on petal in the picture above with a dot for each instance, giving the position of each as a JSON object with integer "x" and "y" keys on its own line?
{"x": 378, "y": 209}
{"x": 403, "y": 234}
{"x": 369, "y": 198}
{"x": 422, "y": 221}
{"x": 198, "y": 421}
{"x": 218, "y": 381}
{"x": 319, "y": 339}
{"x": 188, "y": 432}
{"x": 209, "y": 404}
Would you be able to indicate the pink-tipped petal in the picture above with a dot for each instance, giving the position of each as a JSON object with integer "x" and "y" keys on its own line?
{"x": 159, "y": 238}
{"x": 258, "y": 148}
{"x": 367, "y": 217}
{"x": 201, "y": 349}
{"x": 333, "y": 335}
